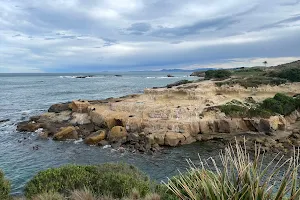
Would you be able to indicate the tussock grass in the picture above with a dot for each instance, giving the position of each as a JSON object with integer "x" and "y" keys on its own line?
{"x": 240, "y": 177}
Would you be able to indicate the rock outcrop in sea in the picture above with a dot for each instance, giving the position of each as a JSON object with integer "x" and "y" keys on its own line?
{"x": 169, "y": 116}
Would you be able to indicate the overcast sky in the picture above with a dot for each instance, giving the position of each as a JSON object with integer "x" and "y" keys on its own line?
{"x": 98, "y": 35}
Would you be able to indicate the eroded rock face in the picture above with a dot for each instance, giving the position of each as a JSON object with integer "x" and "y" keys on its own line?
{"x": 174, "y": 139}
{"x": 66, "y": 133}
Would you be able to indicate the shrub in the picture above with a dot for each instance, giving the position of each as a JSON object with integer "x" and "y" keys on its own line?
{"x": 280, "y": 104}
{"x": 239, "y": 177}
{"x": 4, "y": 187}
{"x": 116, "y": 180}
{"x": 292, "y": 74}
{"x": 253, "y": 82}
{"x": 217, "y": 74}
{"x": 233, "y": 110}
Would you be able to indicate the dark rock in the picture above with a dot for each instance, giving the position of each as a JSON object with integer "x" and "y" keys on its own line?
{"x": 59, "y": 107}
{"x": 28, "y": 126}
{"x": 103, "y": 143}
{"x": 117, "y": 75}
{"x": 178, "y": 83}
{"x": 4, "y": 120}
{"x": 169, "y": 75}
{"x": 86, "y": 129}
{"x": 88, "y": 76}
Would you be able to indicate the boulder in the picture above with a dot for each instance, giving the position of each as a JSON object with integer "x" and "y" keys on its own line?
{"x": 265, "y": 126}
{"x": 56, "y": 108}
{"x": 80, "y": 106}
{"x": 117, "y": 133}
{"x": 174, "y": 139}
{"x": 66, "y": 133}
{"x": 159, "y": 138}
{"x": 28, "y": 126}
{"x": 95, "y": 138}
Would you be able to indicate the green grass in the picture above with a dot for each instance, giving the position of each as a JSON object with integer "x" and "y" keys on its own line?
{"x": 239, "y": 178}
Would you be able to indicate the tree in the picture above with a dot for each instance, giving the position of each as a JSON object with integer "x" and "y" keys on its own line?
{"x": 265, "y": 63}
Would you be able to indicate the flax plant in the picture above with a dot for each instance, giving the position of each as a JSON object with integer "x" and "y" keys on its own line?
{"x": 240, "y": 177}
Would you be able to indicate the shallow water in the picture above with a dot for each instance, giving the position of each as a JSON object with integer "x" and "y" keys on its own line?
{"x": 25, "y": 95}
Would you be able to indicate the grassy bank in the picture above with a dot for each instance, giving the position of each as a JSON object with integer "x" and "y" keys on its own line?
{"x": 240, "y": 176}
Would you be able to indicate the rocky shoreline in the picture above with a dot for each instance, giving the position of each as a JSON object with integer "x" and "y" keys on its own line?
{"x": 171, "y": 116}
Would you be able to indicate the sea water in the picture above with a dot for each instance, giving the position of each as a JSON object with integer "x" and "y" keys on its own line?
{"x": 25, "y": 95}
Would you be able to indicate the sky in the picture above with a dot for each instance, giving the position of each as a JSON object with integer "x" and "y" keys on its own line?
{"x": 125, "y": 35}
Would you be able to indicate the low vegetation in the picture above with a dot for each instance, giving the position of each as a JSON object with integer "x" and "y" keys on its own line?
{"x": 291, "y": 74}
{"x": 279, "y": 104}
{"x": 239, "y": 177}
{"x": 218, "y": 74}
{"x": 253, "y": 82}
{"x": 4, "y": 187}
{"x": 115, "y": 180}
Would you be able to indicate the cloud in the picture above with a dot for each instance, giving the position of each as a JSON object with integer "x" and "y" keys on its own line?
{"x": 77, "y": 35}
{"x": 138, "y": 28}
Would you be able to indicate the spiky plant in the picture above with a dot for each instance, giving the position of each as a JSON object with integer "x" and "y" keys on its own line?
{"x": 240, "y": 177}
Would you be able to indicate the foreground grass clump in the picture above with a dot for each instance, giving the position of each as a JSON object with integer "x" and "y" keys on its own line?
{"x": 279, "y": 104}
{"x": 115, "y": 180}
{"x": 239, "y": 178}
{"x": 218, "y": 74}
{"x": 4, "y": 188}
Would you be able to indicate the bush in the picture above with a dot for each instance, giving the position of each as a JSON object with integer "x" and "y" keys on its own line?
{"x": 239, "y": 177}
{"x": 233, "y": 110}
{"x": 292, "y": 74}
{"x": 280, "y": 104}
{"x": 4, "y": 188}
{"x": 217, "y": 74}
{"x": 253, "y": 82}
{"x": 116, "y": 180}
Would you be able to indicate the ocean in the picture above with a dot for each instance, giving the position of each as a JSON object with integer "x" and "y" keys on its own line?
{"x": 25, "y": 95}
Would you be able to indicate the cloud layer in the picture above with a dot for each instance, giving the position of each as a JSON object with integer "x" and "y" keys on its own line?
{"x": 91, "y": 35}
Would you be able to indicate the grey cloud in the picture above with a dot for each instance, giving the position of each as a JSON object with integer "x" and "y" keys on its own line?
{"x": 291, "y": 3}
{"x": 280, "y": 23}
{"x": 138, "y": 28}
{"x": 216, "y": 24}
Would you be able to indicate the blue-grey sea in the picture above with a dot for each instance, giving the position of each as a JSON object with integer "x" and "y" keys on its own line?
{"x": 25, "y": 95}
